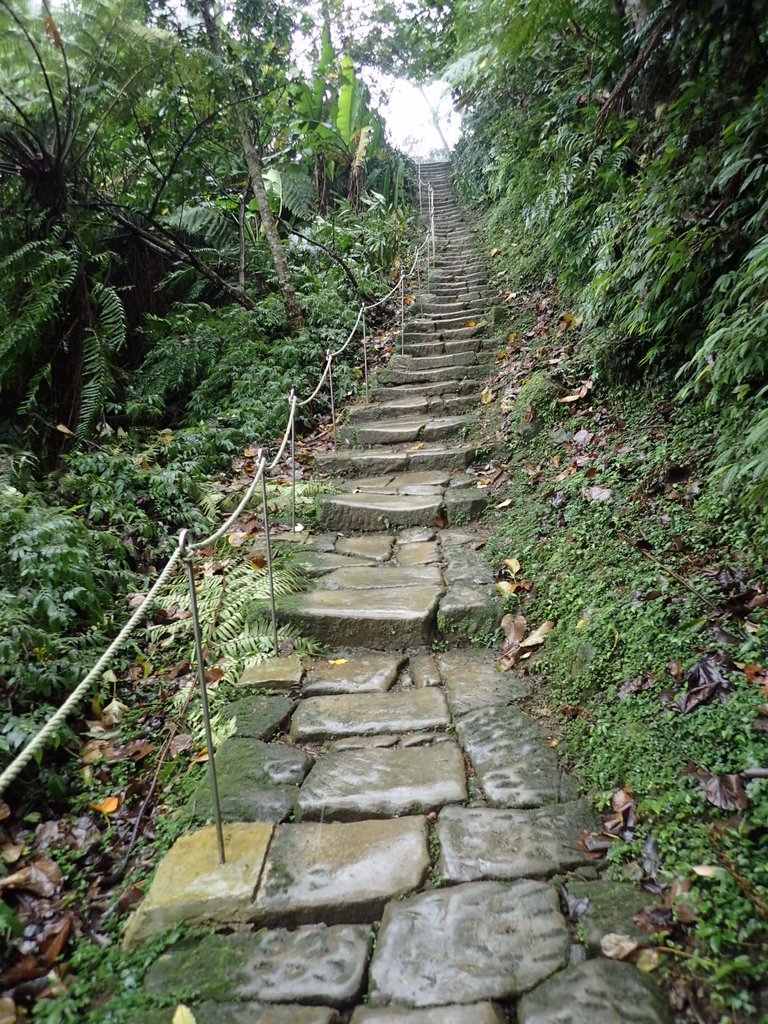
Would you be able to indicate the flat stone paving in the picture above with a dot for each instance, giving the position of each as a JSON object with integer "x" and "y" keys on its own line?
{"x": 347, "y": 785}
{"x": 406, "y": 815}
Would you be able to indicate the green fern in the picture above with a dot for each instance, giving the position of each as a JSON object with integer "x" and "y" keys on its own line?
{"x": 101, "y": 342}
{"x": 232, "y": 596}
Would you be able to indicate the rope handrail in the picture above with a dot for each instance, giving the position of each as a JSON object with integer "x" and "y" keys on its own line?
{"x": 184, "y": 549}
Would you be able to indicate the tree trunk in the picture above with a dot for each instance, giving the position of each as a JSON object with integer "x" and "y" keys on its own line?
{"x": 255, "y": 170}
{"x": 256, "y": 174}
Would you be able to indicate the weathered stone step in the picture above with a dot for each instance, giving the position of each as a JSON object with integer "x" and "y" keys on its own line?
{"x": 368, "y": 714}
{"x": 597, "y": 990}
{"x": 388, "y": 618}
{"x": 514, "y": 766}
{"x": 421, "y": 349}
{"x": 396, "y": 459}
{"x": 314, "y": 964}
{"x": 369, "y": 512}
{"x": 359, "y": 671}
{"x": 340, "y": 873}
{"x": 480, "y": 940}
{"x": 486, "y": 842}
{"x": 410, "y": 362}
{"x": 438, "y": 309}
{"x": 475, "y": 1013}
{"x": 404, "y": 429}
{"x": 381, "y": 576}
{"x": 443, "y": 332}
{"x": 399, "y": 375}
{"x": 375, "y": 782}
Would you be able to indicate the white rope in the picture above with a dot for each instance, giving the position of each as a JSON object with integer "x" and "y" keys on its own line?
{"x": 200, "y": 544}
{"x": 320, "y": 383}
{"x": 47, "y": 731}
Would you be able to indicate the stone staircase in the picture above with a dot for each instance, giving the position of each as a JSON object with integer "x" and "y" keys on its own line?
{"x": 396, "y": 821}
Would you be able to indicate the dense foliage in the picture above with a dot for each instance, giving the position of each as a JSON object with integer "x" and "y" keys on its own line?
{"x": 630, "y": 143}
{"x": 187, "y": 222}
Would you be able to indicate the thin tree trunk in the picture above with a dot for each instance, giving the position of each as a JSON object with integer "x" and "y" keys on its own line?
{"x": 241, "y": 234}
{"x": 256, "y": 174}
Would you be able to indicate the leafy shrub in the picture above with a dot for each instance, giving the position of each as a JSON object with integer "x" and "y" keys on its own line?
{"x": 54, "y": 602}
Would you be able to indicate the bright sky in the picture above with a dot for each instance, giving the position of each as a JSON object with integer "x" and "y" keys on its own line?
{"x": 409, "y": 119}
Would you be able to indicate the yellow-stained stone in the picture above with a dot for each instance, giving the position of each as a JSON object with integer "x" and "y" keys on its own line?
{"x": 191, "y": 887}
{"x": 275, "y": 673}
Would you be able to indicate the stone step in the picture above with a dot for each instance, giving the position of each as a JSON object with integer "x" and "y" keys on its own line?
{"x": 381, "y": 782}
{"x": 470, "y": 942}
{"x": 411, "y": 362}
{"x": 386, "y": 410}
{"x": 369, "y": 714}
{"x": 387, "y": 618}
{"x": 421, "y": 349}
{"x": 370, "y": 512}
{"x": 340, "y": 873}
{"x": 448, "y": 388}
{"x": 395, "y": 375}
{"x": 395, "y": 431}
{"x": 396, "y": 459}
{"x": 444, "y": 333}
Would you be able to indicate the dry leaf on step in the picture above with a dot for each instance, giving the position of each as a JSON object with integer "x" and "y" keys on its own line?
{"x": 617, "y": 946}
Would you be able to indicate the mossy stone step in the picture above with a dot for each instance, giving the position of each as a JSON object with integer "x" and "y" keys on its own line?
{"x": 373, "y": 782}
{"x": 400, "y": 430}
{"x": 387, "y": 618}
{"x": 370, "y": 512}
{"x": 395, "y": 458}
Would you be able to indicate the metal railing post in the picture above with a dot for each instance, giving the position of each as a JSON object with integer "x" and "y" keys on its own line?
{"x": 268, "y": 552}
{"x": 200, "y": 658}
{"x": 365, "y": 358}
{"x": 402, "y": 314}
{"x": 292, "y": 403}
{"x": 330, "y": 385}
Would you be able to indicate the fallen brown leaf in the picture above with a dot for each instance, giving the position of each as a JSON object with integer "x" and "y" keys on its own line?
{"x": 41, "y": 877}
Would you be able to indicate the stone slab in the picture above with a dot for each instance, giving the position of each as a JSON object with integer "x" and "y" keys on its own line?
{"x": 392, "y": 618}
{"x": 481, "y": 940}
{"x": 191, "y": 887}
{"x": 361, "y": 672}
{"x": 416, "y": 535}
{"x": 377, "y": 548}
{"x": 485, "y": 842}
{"x": 341, "y": 873}
{"x": 258, "y": 717}
{"x": 424, "y": 671}
{"x": 472, "y": 681}
{"x": 379, "y": 576}
{"x": 346, "y": 785}
{"x": 417, "y": 554}
{"x": 316, "y": 964}
{"x": 320, "y": 563}
{"x": 468, "y": 614}
{"x": 463, "y": 565}
{"x": 436, "y": 478}
{"x": 256, "y": 781}
{"x": 514, "y": 766}
{"x": 365, "y": 714}
{"x": 243, "y": 1013}
{"x": 370, "y": 511}
{"x": 476, "y": 1013}
{"x": 463, "y": 504}
{"x": 596, "y": 992}
{"x": 275, "y": 674}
